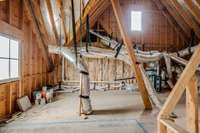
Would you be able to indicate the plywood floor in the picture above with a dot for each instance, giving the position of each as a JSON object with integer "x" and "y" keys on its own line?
{"x": 114, "y": 112}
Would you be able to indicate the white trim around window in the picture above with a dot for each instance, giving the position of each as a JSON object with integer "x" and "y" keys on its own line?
{"x": 10, "y": 53}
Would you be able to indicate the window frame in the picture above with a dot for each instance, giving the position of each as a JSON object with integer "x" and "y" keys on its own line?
{"x": 132, "y": 21}
{"x": 2, "y": 81}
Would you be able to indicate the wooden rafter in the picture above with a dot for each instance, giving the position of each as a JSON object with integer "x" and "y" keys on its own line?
{"x": 62, "y": 14}
{"x": 88, "y": 9}
{"x": 123, "y": 30}
{"x": 101, "y": 8}
{"x": 94, "y": 9}
{"x": 36, "y": 24}
{"x": 171, "y": 20}
{"x": 198, "y": 1}
{"x": 21, "y": 10}
{"x": 178, "y": 18}
{"x": 195, "y": 11}
{"x": 52, "y": 20}
{"x": 186, "y": 16}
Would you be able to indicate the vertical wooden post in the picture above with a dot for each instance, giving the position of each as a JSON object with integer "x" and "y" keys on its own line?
{"x": 161, "y": 128}
{"x": 9, "y": 11}
{"x": 51, "y": 17}
{"x": 134, "y": 64}
{"x": 9, "y": 110}
{"x": 192, "y": 105}
{"x": 21, "y": 10}
{"x": 169, "y": 130}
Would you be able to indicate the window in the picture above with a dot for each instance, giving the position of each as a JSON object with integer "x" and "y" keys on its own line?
{"x": 9, "y": 58}
{"x": 136, "y": 21}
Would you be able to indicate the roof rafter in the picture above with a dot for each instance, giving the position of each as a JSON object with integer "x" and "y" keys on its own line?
{"x": 31, "y": 6}
{"x": 198, "y": 1}
{"x": 195, "y": 11}
{"x": 87, "y": 9}
{"x": 186, "y": 16}
{"x": 98, "y": 11}
{"x": 171, "y": 20}
{"x": 52, "y": 20}
{"x": 94, "y": 8}
{"x": 62, "y": 14}
{"x": 178, "y": 18}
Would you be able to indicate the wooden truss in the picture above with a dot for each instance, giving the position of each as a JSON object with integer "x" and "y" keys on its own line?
{"x": 188, "y": 82}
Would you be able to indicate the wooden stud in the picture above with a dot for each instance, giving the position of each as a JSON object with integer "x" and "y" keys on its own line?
{"x": 161, "y": 127}
{"x": 10, "y": 98}
{"x": 169, "y": 130}
{"x": 9, "y": 11}
{"x": 192, "y": 106}
{"x": 21, "y": 11}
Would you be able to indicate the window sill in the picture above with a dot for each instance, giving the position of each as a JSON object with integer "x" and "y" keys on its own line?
{"x": 5, "y": 81}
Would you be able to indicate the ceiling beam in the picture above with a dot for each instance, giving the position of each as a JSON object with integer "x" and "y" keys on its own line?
{"x": 178, "y": 18}
{"x": 63, "y": 19}
{"x": 186, "y": 16}
{"x": 87, "y": 10}
{"x": 171, "y": 20}
{"x": 97, "y": 11}
{"x": 36, "y": 25}
{"x": 198, "y": 1}
{"x": 193, "y": 8}
{"x": 123, "y": 30}
{"x": 52, "y": 20}
{"x": 94, "y": 9}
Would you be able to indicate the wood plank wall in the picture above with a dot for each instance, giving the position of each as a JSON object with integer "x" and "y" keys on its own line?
{"x": 157, "y": 33}
{"x": 100, "y": 70}
{"x": 15, "y": 22}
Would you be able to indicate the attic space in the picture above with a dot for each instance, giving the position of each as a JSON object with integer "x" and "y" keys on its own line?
{"x": 93, "y": 66}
